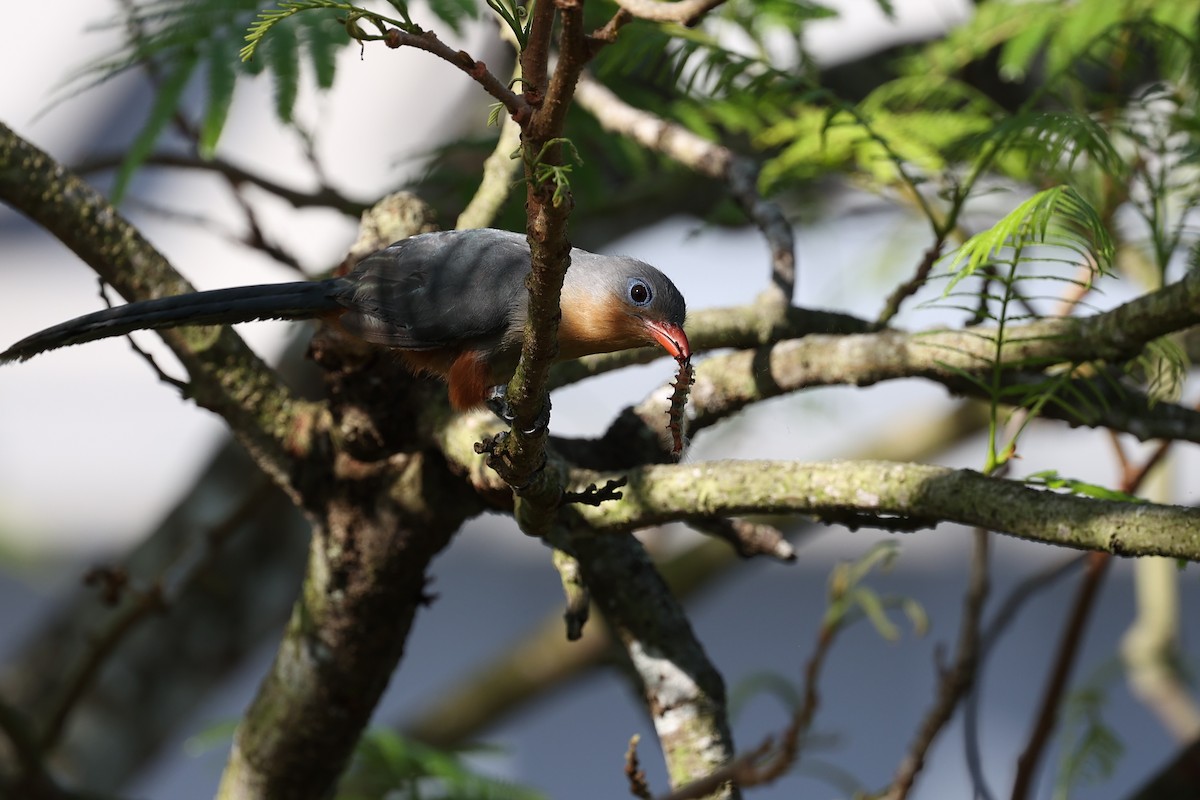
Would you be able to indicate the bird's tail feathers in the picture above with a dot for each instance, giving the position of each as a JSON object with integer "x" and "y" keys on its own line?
{"x": 302, "y": 300}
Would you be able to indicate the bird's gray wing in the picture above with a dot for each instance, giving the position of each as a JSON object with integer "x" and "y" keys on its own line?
{"x": 439, "y": 290}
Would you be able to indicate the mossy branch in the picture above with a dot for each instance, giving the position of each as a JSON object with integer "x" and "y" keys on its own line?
{"x": 660, "y": 494}
{"x": 226, "y": 376}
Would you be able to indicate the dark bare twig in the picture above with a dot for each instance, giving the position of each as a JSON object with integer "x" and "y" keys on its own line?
{"x": 594, "y": 496}
{"x": 1064, "y": 661}
{"x": 956, "y": 682}
{"x": 685, "y": 12}
{"x": 144, "y": 603}
{"x": 151, "y": 600}
{"x": 913, "y": 284}
{"x": 324, "y": 197}
{"x": 428, "y": 41}
{"x": 1021, "y": 594}
{"x": 33, "y": 781}
{"x": 182, "y": 386}
{"x": 769, "y": 761}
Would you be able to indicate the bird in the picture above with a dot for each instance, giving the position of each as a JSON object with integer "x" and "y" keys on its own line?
{"x": 452, "y": 303}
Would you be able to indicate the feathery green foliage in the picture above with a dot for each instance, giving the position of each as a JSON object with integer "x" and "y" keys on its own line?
{"x": 1090, "y": 747}
{"x": 851, "y": 599}
{"x": 177, "y": 41}
{"x": 386, "y": 765}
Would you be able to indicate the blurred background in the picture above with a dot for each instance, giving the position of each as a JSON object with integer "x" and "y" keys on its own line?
{"x": 97, "y": 454}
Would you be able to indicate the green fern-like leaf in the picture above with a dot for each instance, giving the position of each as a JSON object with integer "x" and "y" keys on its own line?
{"x": 1052, "y": 480}
{"x": 324, "y": 36}
{"x": 283, "y": 57}
{"x": 178, "y": 38}
{"x": 165, "y": 102}
{"x": 454, "y": 12}
{"x": 387, "y": 765}
{"x": 222, "y": 75}
{"x": 1091, "y": 749}
{"x": 1057, "y": 216}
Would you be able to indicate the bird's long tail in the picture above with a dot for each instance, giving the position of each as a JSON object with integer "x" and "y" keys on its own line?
{"x": 304, "y": 300}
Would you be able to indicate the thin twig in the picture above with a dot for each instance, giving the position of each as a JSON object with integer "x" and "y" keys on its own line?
{"x": 1064, "y": 661}
{"x": 1022, "y": 593}
{"x": 956, "y": 682}
{"x": 767, "y": 762}
{"x": 324, "y": 197}
{"x": 182, "y": 386}
{"x": 634, "y": 772}
{"x": 476, "y": 70}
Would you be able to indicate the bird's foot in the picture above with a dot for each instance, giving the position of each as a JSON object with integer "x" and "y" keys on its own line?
{"x": 497, "y": 403}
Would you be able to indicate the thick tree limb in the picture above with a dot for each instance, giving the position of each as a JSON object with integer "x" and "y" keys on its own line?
{"x": 226, "y": 377}
{"x": 683, "y": 690}
{"x": 659, "y": 494}
{"x": 366, "y": 576}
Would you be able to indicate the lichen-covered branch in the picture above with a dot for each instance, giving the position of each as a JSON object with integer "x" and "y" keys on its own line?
{"x": 226, "y": 377}
{"x": 728, "y": 383}
{"x": 683, "y": 690}
{"x": 366, "y": 575}
{"x": 659, "y": 494}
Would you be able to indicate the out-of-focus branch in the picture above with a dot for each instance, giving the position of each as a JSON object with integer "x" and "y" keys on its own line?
{"x": 708, "y": 158}
{"x": 684, "y": 692}
{"x": 955, "y": 683}
{"x": 1177, "y": 780}
{"x": 498, "y": 173}
{"x": 685, "y": 12}
{"x": 1067, "y": 652}
{"x": 323, "y": 197}
{"x": 1150, "y": 650}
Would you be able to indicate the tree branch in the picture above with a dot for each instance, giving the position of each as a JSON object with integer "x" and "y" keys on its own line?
{"x": 684, "y": 692}
{"x": 428, "y": 41}
{"x": 685, "y": 12}
{"x": 659, "y": 494}
{"x": 324, "y": 197}
{"x": 226, "y": 377}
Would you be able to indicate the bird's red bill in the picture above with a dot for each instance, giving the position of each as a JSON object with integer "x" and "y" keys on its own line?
{"x": 671, "y": 337}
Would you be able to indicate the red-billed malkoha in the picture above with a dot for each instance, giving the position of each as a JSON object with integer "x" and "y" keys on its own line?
{"x": 453, "y": 303}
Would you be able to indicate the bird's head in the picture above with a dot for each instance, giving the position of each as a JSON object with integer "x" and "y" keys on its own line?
{"x": 614, "y": 303}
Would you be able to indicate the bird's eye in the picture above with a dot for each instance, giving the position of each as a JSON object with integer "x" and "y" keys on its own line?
{"x": 639, "y": 292}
